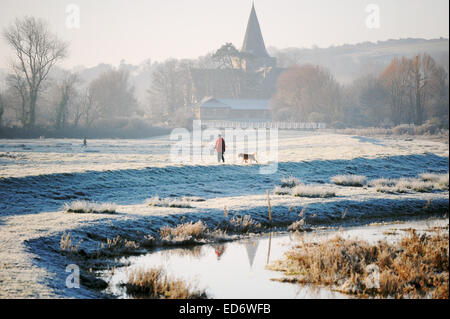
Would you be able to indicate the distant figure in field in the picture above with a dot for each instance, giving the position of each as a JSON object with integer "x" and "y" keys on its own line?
{"x": 220, "y": 148}
{"x": 84, "y": 141}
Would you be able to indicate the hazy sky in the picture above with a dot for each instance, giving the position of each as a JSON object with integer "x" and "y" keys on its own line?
{"x": 135, "y": 30}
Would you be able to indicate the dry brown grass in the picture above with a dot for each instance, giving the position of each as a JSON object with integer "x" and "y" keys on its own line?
{"x": 242, "y": 225}
{"x": 155, "y": 284}
{"x": 118, "y": 243}
{"x": 66, "y": 244}
{"x": 117, "y": 246}
{"x": 184, "y": 232}
{"x": 415, "y": 267}
{"x": 299, "y": 226}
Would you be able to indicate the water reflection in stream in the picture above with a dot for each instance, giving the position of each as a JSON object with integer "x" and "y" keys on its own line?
{"x": 237, "y": 269}
{"x": 231, "y": 270}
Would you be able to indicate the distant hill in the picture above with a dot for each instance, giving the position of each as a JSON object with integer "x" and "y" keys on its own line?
{"x": 348, "y": 62}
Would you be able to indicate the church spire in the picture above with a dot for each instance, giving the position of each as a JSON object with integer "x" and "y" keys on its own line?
{"x": 253, "y": 41}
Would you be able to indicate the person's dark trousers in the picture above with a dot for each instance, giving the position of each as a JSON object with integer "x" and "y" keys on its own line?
{"x": 220, "y": 157}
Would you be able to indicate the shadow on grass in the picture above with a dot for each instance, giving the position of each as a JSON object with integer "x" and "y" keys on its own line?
{"x": 34, "y": 194}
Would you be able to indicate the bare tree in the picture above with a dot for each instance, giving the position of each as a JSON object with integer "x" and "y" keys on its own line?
{"x": 304, "y": 90}
{"x": 66, "y": 90}
{"x": 2, "y": 107}
{"x": 89, "y": 111}
{"x": 36, "y": 51}
{"x": 18, "y": 87}
{"x": 166, "y": 91}
{"x": 439, "y": 106}
{"x": 424, "y": 72}
{"x": 77, "y": 109}
{"x": 413, "y": 85}
{"x": 365, "y": 102}
{"x": 113, "y": 94}
{"x": 397, "y": 81}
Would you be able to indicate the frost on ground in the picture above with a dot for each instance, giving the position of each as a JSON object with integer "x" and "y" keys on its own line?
{"x": 426, "y": 182}
{"x": 40, "y": 176}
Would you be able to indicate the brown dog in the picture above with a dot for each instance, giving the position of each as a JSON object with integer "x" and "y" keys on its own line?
{"x": 248, "y": 157}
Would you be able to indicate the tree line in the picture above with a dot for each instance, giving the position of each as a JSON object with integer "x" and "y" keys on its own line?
{"x": 68, "y": 102}
{"x": 409, "y": 90}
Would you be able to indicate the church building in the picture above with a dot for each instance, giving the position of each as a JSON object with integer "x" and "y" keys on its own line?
{"x": 257, "y": 74}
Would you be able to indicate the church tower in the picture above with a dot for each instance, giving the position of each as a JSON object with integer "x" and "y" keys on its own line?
{"x": 255, "y": 56}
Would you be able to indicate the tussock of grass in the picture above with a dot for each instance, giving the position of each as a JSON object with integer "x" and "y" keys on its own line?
{"x": 119, "y": 243}
{"x": 349, "y": 180}
{"x": 199, "y": 233}
{"x": 66, "y": 244}
{"x": 241, "y": 225}
{"x": 403, "y": 185}
{"x": 293, "y": 186}
{"x": 381, "y": 182}
{"x": 155, "y": 284}
{"x": 414, "y": 185}
{"x": 85, "y": 207}
{"x": 117, "y": 246}
{"x": 289, "y": 182}
{"x": 312, "y": 191}
{"x": 426, "y": 183}
{"x": 167, "y": 202}
{"x": 415, "y": 267}
{"x": 184, "y": 232}
{"x": 441, "y": 180}
{"x": 281, "y": 191}
{"x": 299, "y": 226}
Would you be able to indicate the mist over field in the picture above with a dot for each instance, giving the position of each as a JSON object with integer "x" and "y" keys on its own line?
{"x": 129, "y": 99}
{"x": 203, "y": 149}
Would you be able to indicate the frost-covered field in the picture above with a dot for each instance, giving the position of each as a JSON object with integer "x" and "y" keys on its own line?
{"x": 39, "y": 178}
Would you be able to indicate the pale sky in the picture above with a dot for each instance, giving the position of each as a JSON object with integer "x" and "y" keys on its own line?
{"x": 135, "y": 30}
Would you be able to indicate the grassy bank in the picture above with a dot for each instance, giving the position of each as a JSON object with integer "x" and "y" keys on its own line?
{"x": 414, "y": 267}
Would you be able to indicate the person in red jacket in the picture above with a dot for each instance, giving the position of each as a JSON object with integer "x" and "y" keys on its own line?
{"x": 220, "y": 148}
